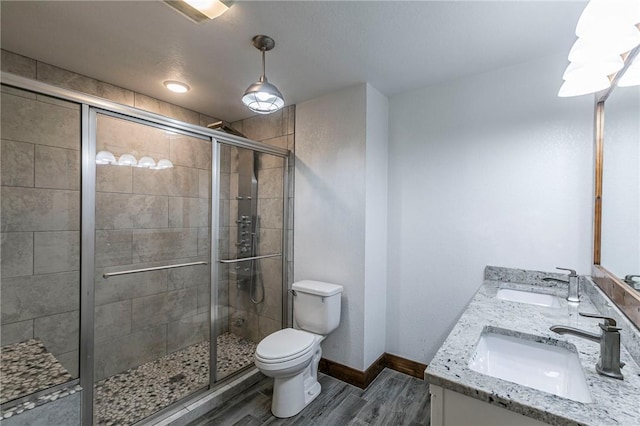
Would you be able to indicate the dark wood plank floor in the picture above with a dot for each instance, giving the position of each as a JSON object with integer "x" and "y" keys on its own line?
{"x": 392, "y": 399}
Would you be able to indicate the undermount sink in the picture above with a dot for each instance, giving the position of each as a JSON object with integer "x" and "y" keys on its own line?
{"x": 542, "y": 366}
{"x": 529, "y": 297}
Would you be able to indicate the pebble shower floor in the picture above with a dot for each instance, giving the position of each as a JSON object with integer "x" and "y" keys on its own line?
{"x": 129, "y": 397}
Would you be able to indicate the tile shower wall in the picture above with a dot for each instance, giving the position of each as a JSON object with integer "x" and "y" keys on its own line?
{"x": 246, "y": 318}
{"x": 40, "y": 223}
{"x": 148, "y": 218}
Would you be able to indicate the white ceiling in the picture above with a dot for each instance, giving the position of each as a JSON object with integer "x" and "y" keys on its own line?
{"x": 320, "y": 46}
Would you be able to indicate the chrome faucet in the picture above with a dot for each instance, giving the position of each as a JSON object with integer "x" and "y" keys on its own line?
{"x": 574, "y": 286}
{"x": 609, "y": 363}
{"x": 629, "y": 279}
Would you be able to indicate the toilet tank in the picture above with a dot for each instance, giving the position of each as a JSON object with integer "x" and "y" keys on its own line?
{"x": 316, "y": 306}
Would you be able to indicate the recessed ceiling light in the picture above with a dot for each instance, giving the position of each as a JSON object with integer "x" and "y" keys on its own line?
{"x": 211, "y": 8}
{"x": 200, "y": 10}
{"x": 176, "y": 86}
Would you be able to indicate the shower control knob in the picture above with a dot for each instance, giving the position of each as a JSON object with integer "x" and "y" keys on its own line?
{"x": 239, "y": 197}
{"x": 244, "y": 219}
{"x": 246, "y": 269}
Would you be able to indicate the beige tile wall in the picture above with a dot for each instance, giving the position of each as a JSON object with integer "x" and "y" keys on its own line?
{"x": 40, "y": 222}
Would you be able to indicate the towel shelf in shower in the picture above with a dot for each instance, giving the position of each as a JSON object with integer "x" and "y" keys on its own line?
{"x": 155, "y": 268}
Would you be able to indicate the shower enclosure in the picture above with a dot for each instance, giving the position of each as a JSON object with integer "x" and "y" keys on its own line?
{"x": 142, "y": 257}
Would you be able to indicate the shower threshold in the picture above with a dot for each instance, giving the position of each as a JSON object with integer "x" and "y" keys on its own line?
{"x": 128, "y": 397}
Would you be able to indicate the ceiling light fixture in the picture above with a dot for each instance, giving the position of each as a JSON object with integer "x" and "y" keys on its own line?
{"x": 127, "y": 160}
{"x": 605, "y": 66}
{"x": 162, "y": 164}
{"x": 105, "y": 157}
{"x": 200, "y": 10}
{"x": 176, "y": 86}
{"x": 211, "y": 8}
{"x": 146, "y": 162}
{"x": 583, "y": 85}
{"x": 632, "y": 76}
{"x": 263, "y": 97}
{"x": 606, "y": 30}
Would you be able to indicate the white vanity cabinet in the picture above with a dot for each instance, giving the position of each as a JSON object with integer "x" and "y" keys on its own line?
{"x": 449, "y": 408}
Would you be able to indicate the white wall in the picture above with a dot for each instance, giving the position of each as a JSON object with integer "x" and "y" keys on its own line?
{"x": 375, "y": 290}
{"x": 494, "y": 169}
{"x": 329, "y": 217}
{"x": 341, "y": 213}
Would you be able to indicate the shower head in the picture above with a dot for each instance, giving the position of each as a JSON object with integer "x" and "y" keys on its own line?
{"x": 225, "y": 127}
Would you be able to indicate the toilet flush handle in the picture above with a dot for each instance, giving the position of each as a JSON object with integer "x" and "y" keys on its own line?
{"x": 293, "y": 292}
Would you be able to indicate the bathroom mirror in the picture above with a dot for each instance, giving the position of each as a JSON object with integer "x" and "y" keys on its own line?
{"x": 617, "y": 197}
{"x": 620, "y": 247}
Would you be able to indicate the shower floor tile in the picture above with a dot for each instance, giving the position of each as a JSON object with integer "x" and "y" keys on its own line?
{"x": 130, "y": 396}
{"x": 28, "y": 367}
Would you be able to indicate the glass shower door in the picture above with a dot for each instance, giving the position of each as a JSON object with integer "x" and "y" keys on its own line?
{"x": 250, "y": 238}
{"x": 152, "y": 268}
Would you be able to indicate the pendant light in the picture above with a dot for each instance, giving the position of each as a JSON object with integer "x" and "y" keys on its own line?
{"x": 263, "y": 97}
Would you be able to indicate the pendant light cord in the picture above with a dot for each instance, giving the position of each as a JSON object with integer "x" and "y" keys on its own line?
{"x": 263, "y": 77}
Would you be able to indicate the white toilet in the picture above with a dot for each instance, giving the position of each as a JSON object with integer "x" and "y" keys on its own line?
{"x": 291, "y": 356}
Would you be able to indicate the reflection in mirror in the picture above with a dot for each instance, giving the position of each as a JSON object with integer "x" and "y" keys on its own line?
{"x": 621, "y": 185}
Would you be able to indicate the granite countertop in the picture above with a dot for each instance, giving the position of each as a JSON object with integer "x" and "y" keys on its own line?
{"x": 614, "y": 401}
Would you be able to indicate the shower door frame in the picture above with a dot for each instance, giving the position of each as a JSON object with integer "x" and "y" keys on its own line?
{"x": 91, "y": 106}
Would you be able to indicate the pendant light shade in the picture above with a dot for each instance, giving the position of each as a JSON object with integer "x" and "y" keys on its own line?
{"x": 263, "y": 97}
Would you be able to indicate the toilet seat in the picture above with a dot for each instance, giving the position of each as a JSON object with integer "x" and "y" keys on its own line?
{"x": 285, "y": 345}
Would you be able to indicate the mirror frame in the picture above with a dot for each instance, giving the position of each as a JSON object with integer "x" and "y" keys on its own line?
{"x": 627, "y": 300}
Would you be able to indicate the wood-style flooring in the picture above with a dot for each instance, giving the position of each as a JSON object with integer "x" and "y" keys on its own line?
{"x": 392, "y": 398}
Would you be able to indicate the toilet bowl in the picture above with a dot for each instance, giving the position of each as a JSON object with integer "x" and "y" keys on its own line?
{"x": 291, "y": 356}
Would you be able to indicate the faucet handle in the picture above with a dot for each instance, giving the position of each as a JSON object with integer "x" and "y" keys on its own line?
{"x": 629, "y": 279}
{"x": 572, "y": 272}
{"x": 609, "y": 323}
